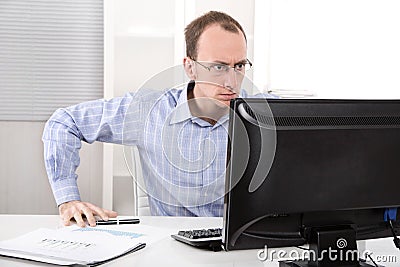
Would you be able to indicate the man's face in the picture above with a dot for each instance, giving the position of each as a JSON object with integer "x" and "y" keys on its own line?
{"x": 217, "y": 45}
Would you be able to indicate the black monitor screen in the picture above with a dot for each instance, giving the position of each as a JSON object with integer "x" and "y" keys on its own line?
{"x": 298, "y": 165}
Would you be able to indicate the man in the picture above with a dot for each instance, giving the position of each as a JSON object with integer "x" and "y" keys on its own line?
{"x": 181, "y": 134}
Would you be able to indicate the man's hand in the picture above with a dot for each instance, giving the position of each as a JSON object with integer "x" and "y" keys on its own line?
{"x": 76, "y": 209}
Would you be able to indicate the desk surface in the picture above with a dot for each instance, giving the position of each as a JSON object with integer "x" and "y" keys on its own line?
{"x": 169, "y": 252}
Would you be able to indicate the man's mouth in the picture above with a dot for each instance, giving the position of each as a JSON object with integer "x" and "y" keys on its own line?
{"x": 228, "y": 96}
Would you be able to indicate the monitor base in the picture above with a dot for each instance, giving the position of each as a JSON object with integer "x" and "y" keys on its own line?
{"x": 332, "y": 246}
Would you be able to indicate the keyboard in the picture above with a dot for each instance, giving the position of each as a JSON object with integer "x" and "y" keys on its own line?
{"x": 204, "y": 238}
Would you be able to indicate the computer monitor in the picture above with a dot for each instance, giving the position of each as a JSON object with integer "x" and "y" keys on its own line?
{"x": 309, "y": 171}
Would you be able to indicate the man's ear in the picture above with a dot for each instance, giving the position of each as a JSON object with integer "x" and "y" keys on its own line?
{"x": 190, "y": 68}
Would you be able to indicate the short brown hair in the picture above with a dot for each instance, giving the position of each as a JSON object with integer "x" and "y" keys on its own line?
{"x": 197, "y": 27}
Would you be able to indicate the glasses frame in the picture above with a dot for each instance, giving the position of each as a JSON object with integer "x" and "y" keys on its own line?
{"x": 228, "y": 67}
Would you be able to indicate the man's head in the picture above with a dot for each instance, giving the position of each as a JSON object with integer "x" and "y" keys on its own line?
{"x": 216, "y": 56}
{"x": 194, "y": 30}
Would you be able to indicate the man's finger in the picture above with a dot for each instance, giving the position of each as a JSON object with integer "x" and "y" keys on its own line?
{"x": 65, "y": 216}
{"x": 103, "y": 213}
{"x": 67, "y": 221}
{"x": 111, "y": 213}
{"x": 79, "y": 220}
{"x": 89, "y": 215}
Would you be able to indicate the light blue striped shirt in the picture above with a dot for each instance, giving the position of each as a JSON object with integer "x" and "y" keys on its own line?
{"x": 183, "y": 157}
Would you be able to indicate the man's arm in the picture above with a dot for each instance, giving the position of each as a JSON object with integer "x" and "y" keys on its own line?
{"x": 98, "y": 120}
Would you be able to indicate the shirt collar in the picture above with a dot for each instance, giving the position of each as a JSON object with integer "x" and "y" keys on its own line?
{"x": 181, "y": 112}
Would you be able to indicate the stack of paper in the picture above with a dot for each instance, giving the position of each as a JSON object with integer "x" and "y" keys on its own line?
{"x": 74, "y": 245}
{"x": 292, "y": 93}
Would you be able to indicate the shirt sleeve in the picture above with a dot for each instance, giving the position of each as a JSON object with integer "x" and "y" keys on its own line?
{"x": 98, "y": 120}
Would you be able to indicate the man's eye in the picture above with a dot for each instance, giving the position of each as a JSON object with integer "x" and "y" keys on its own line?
{"x": 219, "y": 67}
{"x": 239, "y": 66}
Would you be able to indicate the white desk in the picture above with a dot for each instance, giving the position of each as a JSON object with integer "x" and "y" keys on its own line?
{"x": 167, "y": 251}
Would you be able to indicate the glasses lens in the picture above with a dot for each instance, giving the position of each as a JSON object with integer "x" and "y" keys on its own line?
{"x": 249, "y": 65}
{"x": 217, "y": 69}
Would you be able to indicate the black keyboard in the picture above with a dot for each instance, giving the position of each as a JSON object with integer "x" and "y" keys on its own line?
{"x": 204, "y": 238}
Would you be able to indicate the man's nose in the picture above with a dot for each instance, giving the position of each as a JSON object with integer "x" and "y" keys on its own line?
{"x": 231, "y": 79}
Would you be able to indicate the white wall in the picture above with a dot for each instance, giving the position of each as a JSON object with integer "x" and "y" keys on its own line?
{"x": 335, "y": 48}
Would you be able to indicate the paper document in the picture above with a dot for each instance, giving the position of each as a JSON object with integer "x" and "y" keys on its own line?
{"x": 74, "y": 245}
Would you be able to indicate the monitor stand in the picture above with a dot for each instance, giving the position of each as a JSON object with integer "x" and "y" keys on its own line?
{"x": 330, "y": 246}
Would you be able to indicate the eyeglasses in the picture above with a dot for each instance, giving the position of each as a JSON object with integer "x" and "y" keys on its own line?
{"x": 219, "y": 69}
